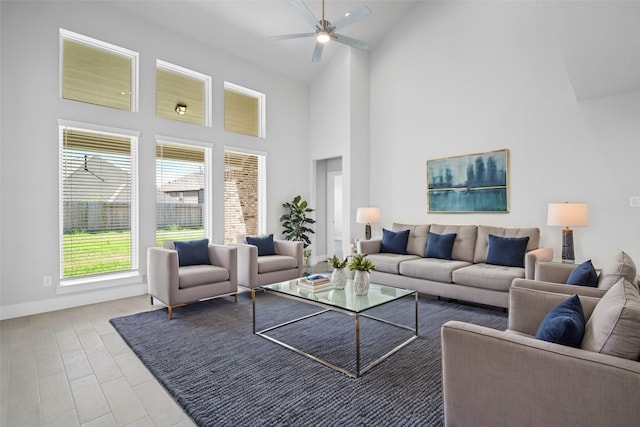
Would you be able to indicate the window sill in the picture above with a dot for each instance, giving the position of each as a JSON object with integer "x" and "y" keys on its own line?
{"x": 84, "y": 284}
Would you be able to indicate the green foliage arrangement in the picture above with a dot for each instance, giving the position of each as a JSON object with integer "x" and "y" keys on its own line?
{"x": 360, "y": 263}
{"x": 296, "y": 221}
{"x": 337, "y": 263}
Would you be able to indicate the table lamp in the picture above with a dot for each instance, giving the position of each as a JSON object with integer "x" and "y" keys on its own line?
{"x": 367, "y": 216}
{"x": 567, "y": 215}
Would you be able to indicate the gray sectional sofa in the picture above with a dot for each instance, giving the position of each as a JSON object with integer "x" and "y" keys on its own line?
{"x": 466, "y": 275}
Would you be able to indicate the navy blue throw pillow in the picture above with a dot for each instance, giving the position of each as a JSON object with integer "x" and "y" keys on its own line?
{"x": 192, "y": 252}
{"x": 507, "y": 251}
{"x": 564, "y": 324}
{"x": 440, "y": 245}
{"x": 584, "y": 275}
{"x": 394, "y": 242}
{"x": 264, "y": 244}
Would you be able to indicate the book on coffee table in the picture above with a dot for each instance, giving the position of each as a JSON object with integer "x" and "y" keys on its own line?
{"x": 314, "y": 283}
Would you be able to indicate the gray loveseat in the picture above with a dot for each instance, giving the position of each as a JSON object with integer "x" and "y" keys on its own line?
{"x": 466, "y": 276}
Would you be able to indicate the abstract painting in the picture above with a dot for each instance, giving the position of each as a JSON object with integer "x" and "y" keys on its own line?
{"x": 470, "y": 183}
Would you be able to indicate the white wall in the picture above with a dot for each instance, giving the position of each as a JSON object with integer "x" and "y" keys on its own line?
{"x": 31, "y": 107}
{"x": 459, "y": 78}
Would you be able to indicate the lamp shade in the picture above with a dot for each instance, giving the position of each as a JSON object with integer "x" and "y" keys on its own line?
{"x": 367, "y": 215}
{"x": 568, "y": 214}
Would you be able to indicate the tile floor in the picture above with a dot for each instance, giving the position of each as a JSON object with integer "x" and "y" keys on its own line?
{"x": 71, "y": 368}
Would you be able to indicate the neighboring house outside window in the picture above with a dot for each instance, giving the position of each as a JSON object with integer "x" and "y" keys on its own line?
{"x": 182, "y": 191}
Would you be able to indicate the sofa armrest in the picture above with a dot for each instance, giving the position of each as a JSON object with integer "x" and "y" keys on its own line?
{"x": 291, "y": 248}
{"x": 555, "y": 272}
{"x": 227, "y": 257}
{"x": 247, "y": 257}
{"x": 371, "y": 246}
{"x": 532, "y": 258}
{"x": 162, "y": 274}
{"x": 559, "y": 288}
{"x": 498, "y": 378}
{"x": 528, "y": 307}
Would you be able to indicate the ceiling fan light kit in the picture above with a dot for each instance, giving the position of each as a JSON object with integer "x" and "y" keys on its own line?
{"x": 325, "y": 31}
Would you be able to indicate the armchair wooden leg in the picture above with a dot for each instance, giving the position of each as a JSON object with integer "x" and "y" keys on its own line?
{"x": 170, "y": 311}
{"x": 236, "y": 297}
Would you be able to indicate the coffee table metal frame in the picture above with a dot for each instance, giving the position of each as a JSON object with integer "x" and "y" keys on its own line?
{"x": 326, "y": 307}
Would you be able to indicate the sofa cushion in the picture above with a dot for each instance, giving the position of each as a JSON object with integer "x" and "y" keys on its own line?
{"x": 264, "y": 244}
{"x": 435, "y": 269}
{"x": 583, "y": 275}
{"x": 614, "y": 325}
{"x": 482, "y": 243}
{"x": 394, "y": 242}
{"x": 389, "y": 263}
{"x": 417, "y": 237}
{"x": 487, "y": 276}
{"x": 564, "y": 324}
{"x": 621, "y": 266}
{"x": 507, "y": 251}
{"x": 269, "y": 263}
{"x": 198, "y": 275}
{"x": 464, "y": 246}
{"x": 192, "y": 252}
{"x": 440, "y": 245}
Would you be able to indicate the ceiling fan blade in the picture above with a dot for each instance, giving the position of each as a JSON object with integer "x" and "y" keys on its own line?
{"x": 317, "y": 52}
{"x": 292, "y": 36}
{"x": 355, "y": 16}
{"x": 305, "y": 11}
{"x": 350, "y": 42}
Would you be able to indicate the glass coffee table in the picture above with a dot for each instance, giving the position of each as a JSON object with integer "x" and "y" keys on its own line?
{"x": 346, "y": 302}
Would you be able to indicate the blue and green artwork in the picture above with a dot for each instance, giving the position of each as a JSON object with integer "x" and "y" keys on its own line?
{"x": 470, "y": 183}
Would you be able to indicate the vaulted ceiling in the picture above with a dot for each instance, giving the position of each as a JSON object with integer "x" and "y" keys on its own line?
{"x": 599, "y": 41}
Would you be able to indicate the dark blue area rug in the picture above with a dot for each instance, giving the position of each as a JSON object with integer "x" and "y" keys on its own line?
{"x": 222, "y": 375}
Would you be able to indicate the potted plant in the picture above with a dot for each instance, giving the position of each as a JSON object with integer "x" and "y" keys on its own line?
{"x": 362, "y": 267}
{"x": 296, "y": 224}
{"x": 339, "y": 275}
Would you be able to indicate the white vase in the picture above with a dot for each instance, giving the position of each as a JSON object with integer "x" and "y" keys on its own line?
{"x": 339, "y": 278}
{"x": 361, "y": 282}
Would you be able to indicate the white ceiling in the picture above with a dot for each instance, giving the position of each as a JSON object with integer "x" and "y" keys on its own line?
{"x": 599, "y": 41}
{"x": 243, "y": 27}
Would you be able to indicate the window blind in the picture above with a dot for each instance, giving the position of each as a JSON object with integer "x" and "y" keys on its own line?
{"x": 241, "y": 113}
{"x": 97, "y": 199}
{"x": 181, "y": 197}
{"x": 243, "y": 187}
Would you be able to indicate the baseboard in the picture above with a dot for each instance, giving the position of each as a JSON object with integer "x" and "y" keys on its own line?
{"x": 71, "y": 300}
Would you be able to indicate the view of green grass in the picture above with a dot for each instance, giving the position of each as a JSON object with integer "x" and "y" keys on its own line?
{"x": 106, "y": 252}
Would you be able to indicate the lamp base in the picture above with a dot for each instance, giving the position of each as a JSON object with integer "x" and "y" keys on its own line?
{"x": 567, "y": 245}
{"x": 367, "y": 231}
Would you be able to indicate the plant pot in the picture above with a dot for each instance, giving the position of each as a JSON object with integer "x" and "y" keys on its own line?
{"x": 361, "y": 282}
{"x": 339, "y": 278}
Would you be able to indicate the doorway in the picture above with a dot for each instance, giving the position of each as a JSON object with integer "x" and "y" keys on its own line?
{"x": 334, "y": 214}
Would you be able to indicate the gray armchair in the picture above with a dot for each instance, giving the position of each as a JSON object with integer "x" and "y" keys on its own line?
{"x": 254, "y": 270}
{"x": 176, "y": 286}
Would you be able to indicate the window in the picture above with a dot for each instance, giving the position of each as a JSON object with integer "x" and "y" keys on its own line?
{"x": 98, "y": 191}
{"x": 182, "y": 196}
{"x": 244, "y": 110}
{"x": 244, "y": 194}
{"x": 99, "y": 73}
{"x": 182, "y": 94}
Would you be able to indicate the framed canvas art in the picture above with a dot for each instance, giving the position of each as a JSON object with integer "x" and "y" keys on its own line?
{"x": 470, "y": 183}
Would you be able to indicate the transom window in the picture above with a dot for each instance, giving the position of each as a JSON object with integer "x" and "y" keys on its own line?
{"x": 98, "y": 190}
{"x": 96, "y": 72}
{"x": 182, "y": 94}
{"x": 244, "y": 110}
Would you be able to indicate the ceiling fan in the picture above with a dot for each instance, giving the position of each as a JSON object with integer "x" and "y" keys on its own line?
{"x": 325, "y": 30}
